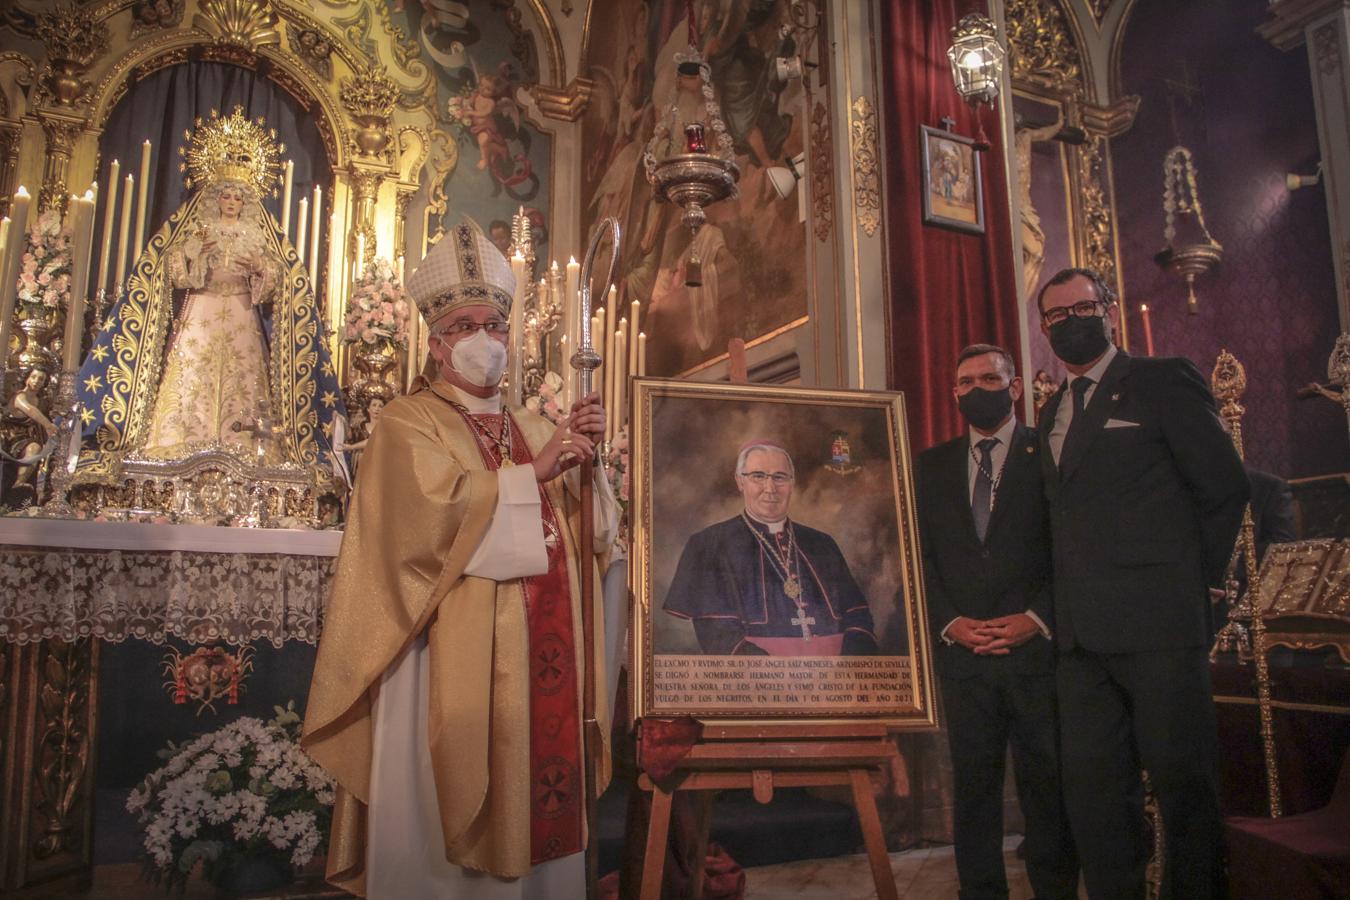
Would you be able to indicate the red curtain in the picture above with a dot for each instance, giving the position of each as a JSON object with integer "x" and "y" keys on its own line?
{"x": 947, "y": 289}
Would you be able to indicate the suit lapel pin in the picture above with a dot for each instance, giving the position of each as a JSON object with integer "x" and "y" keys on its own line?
{"x": 1030, "y": 449}
{"x": 1115, "y": 397}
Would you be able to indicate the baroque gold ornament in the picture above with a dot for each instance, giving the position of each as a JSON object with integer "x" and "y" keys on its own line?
{"x": 74, "y": 39}
{"x": 232, "y": 148}
{"x": 369, "y": 96}
{"x": 240, "y": 23}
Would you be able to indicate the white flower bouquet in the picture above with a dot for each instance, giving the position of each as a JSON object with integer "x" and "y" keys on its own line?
{"x": 243, "y": 792}
{"x": 44, "y": 276}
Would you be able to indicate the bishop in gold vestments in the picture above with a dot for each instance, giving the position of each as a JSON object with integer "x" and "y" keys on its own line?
{"x": 446, "y": 696}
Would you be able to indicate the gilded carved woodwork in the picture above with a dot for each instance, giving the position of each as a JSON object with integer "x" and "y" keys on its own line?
{"x": 1099, "y": 9}
{"x": 239, "y": 23}
{"x": 1041, "y": 46}
{"x": 61, "y": 132}
{"x": 74, "y": 38}
{"x": 565, "y": 104}
{"x": 369, "y": 96}
{"x": 1327, "y": 49}
{"x": 47, "y": 789}
{"x": 866, "y": 179}
{"x": 63, "y": 776}
{"x": 822, "y": 173}
{"x": 1098, "y": 232}
{"x": 313, "y": 47}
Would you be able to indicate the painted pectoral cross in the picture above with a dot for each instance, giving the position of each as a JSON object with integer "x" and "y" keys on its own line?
{"x": 804, "y": 621}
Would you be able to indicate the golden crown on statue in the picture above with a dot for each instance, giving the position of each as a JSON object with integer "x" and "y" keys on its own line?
{"x": 232, "y": 148}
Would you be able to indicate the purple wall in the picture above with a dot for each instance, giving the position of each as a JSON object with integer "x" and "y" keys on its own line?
{"x": 1272, "y": 302}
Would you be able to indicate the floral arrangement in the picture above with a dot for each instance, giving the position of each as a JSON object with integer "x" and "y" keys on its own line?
{"x": 44, "y": 279}
{"x": 378, "y": 310}
{"x": 548, "y": 403}
{"x": 245, "y": 791}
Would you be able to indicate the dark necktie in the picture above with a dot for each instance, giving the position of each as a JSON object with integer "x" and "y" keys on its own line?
{"x": 1079, "y": 387}
{"x": 984, "y": 486}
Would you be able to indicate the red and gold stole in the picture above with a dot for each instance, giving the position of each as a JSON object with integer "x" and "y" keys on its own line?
{"x": 556, "y": 810}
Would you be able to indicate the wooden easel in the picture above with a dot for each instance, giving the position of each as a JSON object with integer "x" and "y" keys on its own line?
{"x": 763, "y": 758}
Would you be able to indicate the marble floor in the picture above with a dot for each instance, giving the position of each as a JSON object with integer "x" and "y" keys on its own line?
{"x": 926, "y": 874}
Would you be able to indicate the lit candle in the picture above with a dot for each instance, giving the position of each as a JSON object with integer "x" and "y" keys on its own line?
{"x": 620, "y": 375}
{"x": 109, "y": 210}
{"x": 15, "y": 245}
{"x": 301, "y": 228}
{"x": 642, "y": 353}
{"x": 633, "y": 337}
{"x": 517, "y": 335}
{"x": 286, "y": 185}
{"x": 1148, "y": 329}
{"x": 82, "y": 236}
{"x": 314, "y": 208}
{"x": 142, "y": 200}
{"x": 4, "y": 236}
{"x": 124, "y": 234}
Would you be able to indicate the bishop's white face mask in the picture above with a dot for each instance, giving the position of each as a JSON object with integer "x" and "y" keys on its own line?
{"x": 480, "y": 359}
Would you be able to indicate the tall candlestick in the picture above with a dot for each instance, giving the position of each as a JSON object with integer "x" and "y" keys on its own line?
{"x": 286, "y": 185}
{"x": 1148, "y": 329}
{"x": 301, "y": 228}
{"x": 565, "y": 370}
{"x": 315, "y": 207}
{"x": 4, "y": 236}
{"x": 613, "y": 367}
{"x": 360, "y": 254}
{"x": 109, "y": 210}
{"x": 516, "y": 368}
{"x": 598, "y": 342}
{"x": 15, "y": 247}
{"x": 642, "y": 353}
{"x": 633, "y": 319}
{"x": 82, "y": 237}
{"x": 620, "y": 376}
{"x": 142, "y": 201}
{"x": 124, "y": 234}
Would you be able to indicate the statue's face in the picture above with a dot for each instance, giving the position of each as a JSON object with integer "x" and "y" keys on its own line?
{"x": 376, "y": 407}
{"x": 36, "y": 380}
{"x": 231, "y": 202}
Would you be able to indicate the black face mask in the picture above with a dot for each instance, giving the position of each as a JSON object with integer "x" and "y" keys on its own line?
{"x": 1078, "y": 341}
{"x": 985, "y": 409}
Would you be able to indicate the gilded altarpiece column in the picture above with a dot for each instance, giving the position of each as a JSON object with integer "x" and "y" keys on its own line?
{"x": 1055, "y": 116}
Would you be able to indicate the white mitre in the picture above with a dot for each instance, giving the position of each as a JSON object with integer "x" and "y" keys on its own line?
{"x": 464, "y": 268}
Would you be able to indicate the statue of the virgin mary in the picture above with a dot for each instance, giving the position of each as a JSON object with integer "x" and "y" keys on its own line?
{"x": 216, "y": 350}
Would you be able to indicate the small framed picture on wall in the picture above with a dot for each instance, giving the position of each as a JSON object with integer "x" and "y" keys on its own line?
{"x": 953, "y": 192}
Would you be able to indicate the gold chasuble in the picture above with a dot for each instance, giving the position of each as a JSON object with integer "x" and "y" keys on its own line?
{"x": 423, "y": 502}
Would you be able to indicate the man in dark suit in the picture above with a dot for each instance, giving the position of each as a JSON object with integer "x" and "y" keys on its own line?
{"x": 986, "y": 552}
{"x": 1146, "y": 494}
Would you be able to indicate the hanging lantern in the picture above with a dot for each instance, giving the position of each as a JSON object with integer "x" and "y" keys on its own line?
{"x": 1189, "y": 250}
{"x": 690, "y": 160}
{"x": 977, "y": 59}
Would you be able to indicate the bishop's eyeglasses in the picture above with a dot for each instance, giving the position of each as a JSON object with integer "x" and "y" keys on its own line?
{"x": 762, "y": 478}
{"x": 468, "y": 327}
{"x": 1083, "y": 309}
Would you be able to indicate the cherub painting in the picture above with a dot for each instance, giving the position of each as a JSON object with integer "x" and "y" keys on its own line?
{"x": 487, "y": 110}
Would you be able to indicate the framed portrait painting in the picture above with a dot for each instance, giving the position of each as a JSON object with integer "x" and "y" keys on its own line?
{"x": 953, "y": 192}
{"x": 775, "y": 562}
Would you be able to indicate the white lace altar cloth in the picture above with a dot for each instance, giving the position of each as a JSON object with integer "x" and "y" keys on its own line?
{"x": 67, "y": 580}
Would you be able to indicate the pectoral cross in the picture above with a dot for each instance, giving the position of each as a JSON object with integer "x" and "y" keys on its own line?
{"x": 804, "y": 621}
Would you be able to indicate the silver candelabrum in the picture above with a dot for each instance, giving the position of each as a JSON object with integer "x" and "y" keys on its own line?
{"x": 543, "y": 308}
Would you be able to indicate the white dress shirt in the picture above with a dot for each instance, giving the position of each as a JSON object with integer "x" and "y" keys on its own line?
{"x": 1064, "y": 412}
{"x": 998, "y": 457}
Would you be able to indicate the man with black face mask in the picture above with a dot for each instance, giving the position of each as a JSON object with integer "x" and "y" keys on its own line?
{"x": 1146, "y": 494}
{"x": 985, "y": 535}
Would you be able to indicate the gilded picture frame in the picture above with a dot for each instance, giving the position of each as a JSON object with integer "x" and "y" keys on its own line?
{"x": 953, "y": 194}
{"x": 711, "y": 636}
